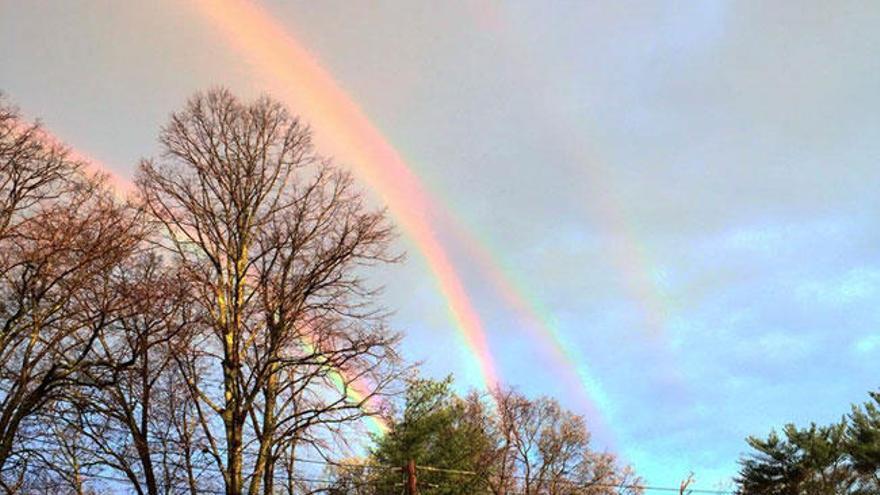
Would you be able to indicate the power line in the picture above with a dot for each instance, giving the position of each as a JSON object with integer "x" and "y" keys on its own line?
{"x": 328, "y": 481}
{"x": 623, "y": 485}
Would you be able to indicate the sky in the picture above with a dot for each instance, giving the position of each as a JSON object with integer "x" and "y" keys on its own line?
{"x": 664, "y": 214}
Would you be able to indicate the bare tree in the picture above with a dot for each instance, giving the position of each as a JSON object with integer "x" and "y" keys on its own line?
{"x": 61, "y": 235}
{"x": 33, "y": 169}
{"x": 128, "y": 421}
{"x": 543, "y": 449}
{"x": 272, "y": 239}
{"x": 61, "y": 458}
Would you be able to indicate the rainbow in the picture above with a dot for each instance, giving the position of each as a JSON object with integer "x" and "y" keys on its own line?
{"x": 629, "y": 253}
{"x": 118, "y": 186}
{"x": 354, "y": 390}
{"x": 633, "y": 261}
{"x": 535, "y": 316}
{"x": 375, "y": 423}
{"x": 296, "y": 78}
{"x": 300, "y": 81}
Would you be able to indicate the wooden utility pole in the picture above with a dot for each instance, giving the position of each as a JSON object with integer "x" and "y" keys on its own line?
{"x": 411, "y": 485}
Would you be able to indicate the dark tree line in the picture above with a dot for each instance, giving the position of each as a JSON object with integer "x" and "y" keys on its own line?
{"x": 842, "y": 458}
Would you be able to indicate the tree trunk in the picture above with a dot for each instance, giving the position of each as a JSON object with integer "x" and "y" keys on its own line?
{"x": 232, "y": 422}
{"x": 262, "y": 468}
{"x": 143, "y": 452}
{"x": 234, "y": 461}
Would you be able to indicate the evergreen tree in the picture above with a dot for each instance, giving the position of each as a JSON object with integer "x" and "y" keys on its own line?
{"x": 503, "y": 444}
{"x": 839, "y": 459}
{"x": 437, "y": 430}
{"x": 863, "y": 444}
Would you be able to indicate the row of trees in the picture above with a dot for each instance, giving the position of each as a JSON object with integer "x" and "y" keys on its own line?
{"x": 208, "y": 331}
{"x": 503, "y": 443}
{"x": 193, "y": 337}
{"x": 838, "y": 459}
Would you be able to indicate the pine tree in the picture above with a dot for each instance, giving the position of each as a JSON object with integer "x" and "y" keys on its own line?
{"x": 437, "y": 429}
{"x": 838, "y": 459}
{"x": 863, "y": 443}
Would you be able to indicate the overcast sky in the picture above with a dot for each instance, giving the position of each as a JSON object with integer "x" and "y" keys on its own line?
{"x": 689, "y": 190}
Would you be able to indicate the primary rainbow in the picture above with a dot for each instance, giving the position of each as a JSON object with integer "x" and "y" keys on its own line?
{"x": 91, "y": 167}
{"x": 296, "y": 78}
{"x": 353, "y": 389}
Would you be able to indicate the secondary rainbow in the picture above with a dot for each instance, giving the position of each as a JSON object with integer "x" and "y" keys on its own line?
{"x": 296, "y": 78}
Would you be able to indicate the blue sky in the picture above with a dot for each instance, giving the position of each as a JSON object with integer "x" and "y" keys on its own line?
{"x": 689, "y": 188}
